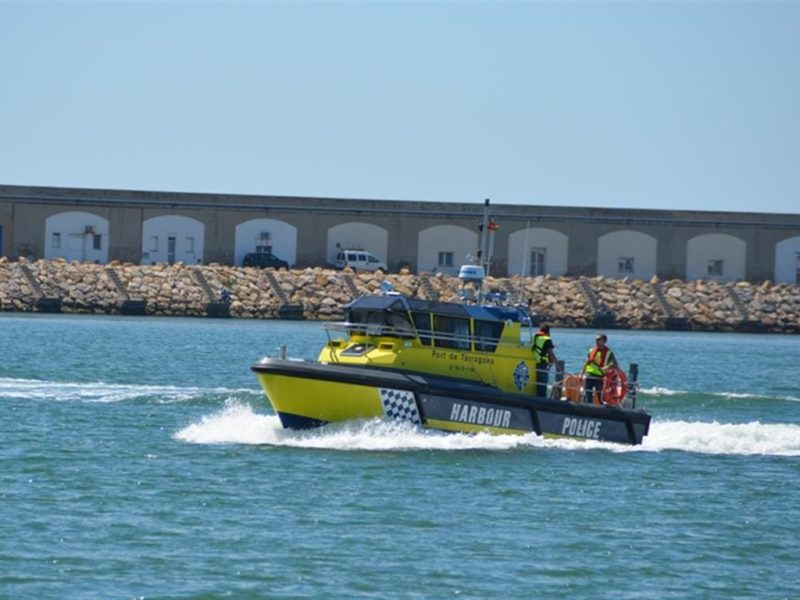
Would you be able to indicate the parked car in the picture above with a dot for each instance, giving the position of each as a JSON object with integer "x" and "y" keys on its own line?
{"x": 358, "y": 260}
{"x": 263, "y": 260}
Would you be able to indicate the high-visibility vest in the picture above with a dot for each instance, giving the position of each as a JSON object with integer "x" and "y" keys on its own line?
{"x": 539, "y": 341}
{"x": 597, "y": 360}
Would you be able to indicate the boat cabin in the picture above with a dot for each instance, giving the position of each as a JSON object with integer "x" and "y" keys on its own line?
{"x": 435, "y": 324}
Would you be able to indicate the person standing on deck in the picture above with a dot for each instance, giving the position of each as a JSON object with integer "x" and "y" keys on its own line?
{"x": 545, "y": 358}
{"x": 600, "y": 359}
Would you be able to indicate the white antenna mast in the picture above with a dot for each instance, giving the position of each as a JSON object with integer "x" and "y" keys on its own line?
{"x": 525, "y": 253}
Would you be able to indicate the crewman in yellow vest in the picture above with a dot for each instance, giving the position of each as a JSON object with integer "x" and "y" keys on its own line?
{"x": 600, "y": 359}
{"x": 545, "y": 358}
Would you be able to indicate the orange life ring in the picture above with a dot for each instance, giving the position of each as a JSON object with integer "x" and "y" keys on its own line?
{"x": 615, "y": 387}
{"x": 572, "y": 388}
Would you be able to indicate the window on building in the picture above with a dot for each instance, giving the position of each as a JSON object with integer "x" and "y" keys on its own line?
{"x": 264, "y": 248}
{"x": 154, "y": 243}
{"x": 190, "y": 245}
{"x": 625, "y": 264}
{"x": 538, "y": 258}
{"x": 715, "y": 267}
{"x": 97, "y": 241}
{"x": 56, "y": 240}
{"x": 445, "y": 259}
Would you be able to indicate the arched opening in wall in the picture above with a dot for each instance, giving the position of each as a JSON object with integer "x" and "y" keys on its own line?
{"x": 263, "y": 236}
{"x": 76, "y": 235}
{"x": 171, "y": 239}
{"x": 537, "y": 251}
{"x": 787, "y": 260}
{"x": 357, "y": 236}
{"x": 716, "y": 256}
{"x": 444, "y": 248}
{"x": 627, "y": 253}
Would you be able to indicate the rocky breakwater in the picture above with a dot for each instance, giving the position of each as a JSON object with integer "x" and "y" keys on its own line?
{"x": 321, "y": 294}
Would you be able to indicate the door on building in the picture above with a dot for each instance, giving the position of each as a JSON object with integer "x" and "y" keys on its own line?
{"x": 75, "y": 247}
{"x": 796, "y": 271}
{"x": 171, "y": 249}
{"x": 538, "y": 257}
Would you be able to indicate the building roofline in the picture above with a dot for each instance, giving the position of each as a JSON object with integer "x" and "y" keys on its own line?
{"x": 507, "y": 212}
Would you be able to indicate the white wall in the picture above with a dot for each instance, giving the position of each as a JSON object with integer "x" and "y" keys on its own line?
{"x": 641, "y": 247}
{"x": 715, "y": 246}
{"x": 445, "y": 238}
{"x": 73, "y": 241}
{"x": 282, "y": 238}
{"x": 786, "y": 260}
{"x": 361, "y": 236}
{"x": 189, "y": 237}
{"x": 556, "y": 246}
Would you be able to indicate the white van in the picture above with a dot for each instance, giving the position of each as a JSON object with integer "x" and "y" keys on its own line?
{"x": 360, "y": 260}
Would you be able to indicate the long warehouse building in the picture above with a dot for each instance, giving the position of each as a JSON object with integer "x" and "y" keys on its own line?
{"x": 147, "y": 227}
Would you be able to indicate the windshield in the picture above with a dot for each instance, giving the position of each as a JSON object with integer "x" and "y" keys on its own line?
{"x": 381, "y": 322}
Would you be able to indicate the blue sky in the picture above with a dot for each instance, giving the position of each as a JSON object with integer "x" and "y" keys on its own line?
{"x": 642, "y": 105}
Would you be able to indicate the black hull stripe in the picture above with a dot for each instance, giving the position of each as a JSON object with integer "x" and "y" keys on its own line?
{"x": 444, "y": 386}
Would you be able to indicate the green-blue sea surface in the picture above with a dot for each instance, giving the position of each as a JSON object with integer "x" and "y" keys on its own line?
{"x": 139, "y": 459}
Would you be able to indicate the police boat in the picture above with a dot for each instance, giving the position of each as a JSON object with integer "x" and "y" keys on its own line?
{"x": 463, "y": 367}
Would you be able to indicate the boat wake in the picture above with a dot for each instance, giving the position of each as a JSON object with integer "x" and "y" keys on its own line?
{"x": 776, "y": 439}
{"x": 99, "y": 392}
{"x": 237, "y": 423}
{"x": 662, "y": 392}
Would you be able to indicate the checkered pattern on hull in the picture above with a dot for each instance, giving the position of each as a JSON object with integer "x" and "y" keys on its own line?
{"x": 400, "y": 405}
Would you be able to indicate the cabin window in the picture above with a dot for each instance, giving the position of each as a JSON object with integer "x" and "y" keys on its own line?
{"x": 451, "y": 332}
{"x": 378, "y": 322}
{"x": 371, "y": 321}
{"x": 487, "y": 335}
{"x": 422, "y": 321}
{"x": 398, "y": 325}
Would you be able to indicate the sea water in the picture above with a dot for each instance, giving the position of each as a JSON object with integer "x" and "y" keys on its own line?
{"x": 139, "y": 459}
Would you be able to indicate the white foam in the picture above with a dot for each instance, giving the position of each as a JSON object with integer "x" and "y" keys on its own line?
{"x": 235, "y": 424}
{"x": 661, "y": 391}
{"x": 35, "y": 389}
{"x": 778, "y": 439}
{"x": 239, "y": 424}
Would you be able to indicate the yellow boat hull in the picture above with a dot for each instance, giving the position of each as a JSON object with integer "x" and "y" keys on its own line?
{"x": 320, "y": 400}
{"x": 306, "y": 395}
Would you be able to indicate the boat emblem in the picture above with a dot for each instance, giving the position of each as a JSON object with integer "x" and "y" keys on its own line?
{"x": 521, "y": 376}
{"x": 400, "y": 405}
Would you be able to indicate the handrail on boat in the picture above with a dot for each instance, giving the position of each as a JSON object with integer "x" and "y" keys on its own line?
{"x": 377, "y": 330}
{"x": 462, "y": 341}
